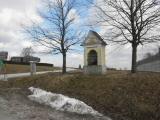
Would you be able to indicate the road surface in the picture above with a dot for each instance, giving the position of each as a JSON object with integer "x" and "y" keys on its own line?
{"x": 8, "y": 76}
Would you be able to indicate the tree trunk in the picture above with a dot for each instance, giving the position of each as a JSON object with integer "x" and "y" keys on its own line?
{"x": 64, "y": 63}
{"x": 134, "y": 58}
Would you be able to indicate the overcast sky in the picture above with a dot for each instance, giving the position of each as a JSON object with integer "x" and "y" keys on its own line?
{"x": 15, "y": 12}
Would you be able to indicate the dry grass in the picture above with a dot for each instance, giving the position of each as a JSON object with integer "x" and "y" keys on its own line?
{"x": 120, "y": 95}
{"x": 13, "y": 68}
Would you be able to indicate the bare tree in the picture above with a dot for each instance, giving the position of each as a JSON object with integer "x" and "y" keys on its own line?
{"x": 28, "y": 51}
{"x": 57, "y": 33}
{"x": 132, "y": 22}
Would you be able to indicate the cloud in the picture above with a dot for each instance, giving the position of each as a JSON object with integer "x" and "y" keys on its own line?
{"x": 74, "y": 15}
{"x": 12, "y": 15}
{"x": 4, "y": 37}
{"x": 116, "y": 56}
{"x": 15, "y": 12}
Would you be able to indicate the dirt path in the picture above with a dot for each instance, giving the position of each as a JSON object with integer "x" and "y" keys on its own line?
{"x": 5, "y": 116}
{"x": 14, "y": 105}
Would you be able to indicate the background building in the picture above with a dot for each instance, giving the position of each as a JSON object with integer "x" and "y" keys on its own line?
{"x": 17, "y": 59}
{"x": 25, "y": 59}
{"x": 151, "y": 63}
{"x": 3, "y": 55}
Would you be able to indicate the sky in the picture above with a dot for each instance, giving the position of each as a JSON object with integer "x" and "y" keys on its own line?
{"x": 13, "y": 13}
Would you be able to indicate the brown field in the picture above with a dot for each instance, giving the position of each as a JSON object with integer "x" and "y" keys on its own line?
{"x": 118, "y": 94}
{"x": 13, "y": 68}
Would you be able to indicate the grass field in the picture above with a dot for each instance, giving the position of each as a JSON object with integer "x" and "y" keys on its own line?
{"x": 118, "y": 94}
{"x": 14, "y": 68}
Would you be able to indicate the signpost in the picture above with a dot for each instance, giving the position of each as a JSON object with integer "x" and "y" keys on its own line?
{"x": 1, "y": 64}
{"x": 2, "y": 68}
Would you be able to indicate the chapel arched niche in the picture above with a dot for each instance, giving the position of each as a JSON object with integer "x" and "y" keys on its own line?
{"x": 92, "y": 58}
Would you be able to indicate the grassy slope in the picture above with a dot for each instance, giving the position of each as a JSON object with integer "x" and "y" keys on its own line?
{"x": 120, "y": 95}
{"x": 13, "y": 68}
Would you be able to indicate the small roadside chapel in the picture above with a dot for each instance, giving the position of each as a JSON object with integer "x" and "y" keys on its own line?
{"x": 94, "y": 54}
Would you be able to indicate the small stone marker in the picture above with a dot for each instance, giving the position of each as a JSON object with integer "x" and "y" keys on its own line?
{"x": 33, "y": 67}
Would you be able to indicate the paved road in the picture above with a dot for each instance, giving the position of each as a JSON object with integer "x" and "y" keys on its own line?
{"x": 7, "y": 76}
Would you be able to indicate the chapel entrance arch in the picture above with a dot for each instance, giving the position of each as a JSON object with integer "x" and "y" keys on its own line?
{"x": 92, "y": 58}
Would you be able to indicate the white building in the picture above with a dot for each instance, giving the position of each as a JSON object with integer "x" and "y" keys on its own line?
{"x": 94, "y": 54}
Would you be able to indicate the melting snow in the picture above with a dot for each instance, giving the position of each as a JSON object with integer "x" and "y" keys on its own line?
{"x": 61, "y": 102}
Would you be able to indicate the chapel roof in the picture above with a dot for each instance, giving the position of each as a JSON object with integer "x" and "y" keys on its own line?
{"x": 97, "y": 36}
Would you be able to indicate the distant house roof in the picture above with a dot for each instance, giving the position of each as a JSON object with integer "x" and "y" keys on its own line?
{"x": 3, "y": 52}
{"x": 150, "y": 59}
{"x": 96, "y": 35}
{"x": 16, "y": 57}
{"x": 25, "y": 59}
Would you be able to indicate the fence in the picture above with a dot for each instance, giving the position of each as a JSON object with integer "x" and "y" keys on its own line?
{"x": 153, "y": 66}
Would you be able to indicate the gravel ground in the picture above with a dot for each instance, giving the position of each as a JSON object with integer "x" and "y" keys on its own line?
{"x": 14, "y": 105}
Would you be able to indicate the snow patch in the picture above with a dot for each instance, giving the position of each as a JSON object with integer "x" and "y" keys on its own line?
{"x": 61, "y": 102}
